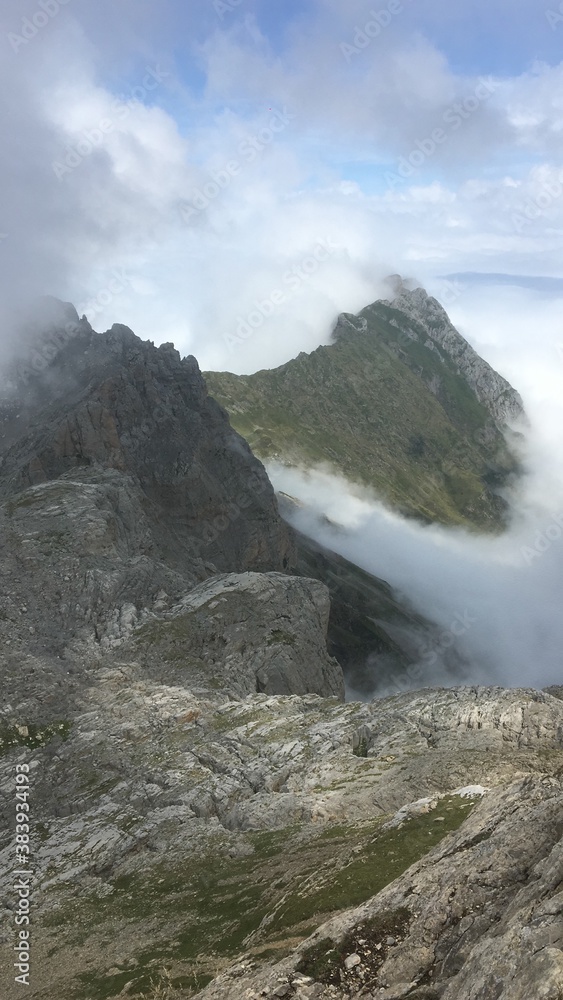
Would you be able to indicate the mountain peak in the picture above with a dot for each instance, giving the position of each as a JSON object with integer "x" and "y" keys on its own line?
{"x": 420, "y": 317}
{"x": 399, "y": 401}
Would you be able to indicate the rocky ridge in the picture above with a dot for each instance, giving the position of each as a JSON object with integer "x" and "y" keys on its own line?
{"x": 122, "y": 482}
{"x": 397, "y": 401}
{"x": 426, "y": 314}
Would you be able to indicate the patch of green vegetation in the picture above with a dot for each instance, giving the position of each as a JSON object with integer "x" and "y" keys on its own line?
{"x": 42, "y": 831}
{"x": 269, "y": 843}
{"x": 102, "y": 987}
{"x": 387, "y": 856}
{"x": 147, "y": 980}
{"x": 174, "y": 639}
{"x": 215, "y": 906}
{"x": 362, "y": 748}
{"x": 225, "y": 721}
{"x": 360, "y": 403}
{"x": 216, "y": 684}
{"x": 279, "y": 636}
{"x": 32, "y": 735}
{"x": 336, "y": 831}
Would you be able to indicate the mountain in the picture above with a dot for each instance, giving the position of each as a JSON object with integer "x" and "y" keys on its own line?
{"x": 117, "y": 465}
{"x": 398, "y": 401}
{"x": 123, "y": 481}
{"x": 203, "y": 810}
{"x": 80, "y": 401}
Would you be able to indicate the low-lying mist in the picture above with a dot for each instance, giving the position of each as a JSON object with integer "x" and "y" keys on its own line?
{"x": 500, "y": 598}
{"x": 497, "y": 599}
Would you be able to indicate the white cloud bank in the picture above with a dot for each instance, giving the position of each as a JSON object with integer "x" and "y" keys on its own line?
{"x": 205, "y": 161}
{"x": 511, "y": 587}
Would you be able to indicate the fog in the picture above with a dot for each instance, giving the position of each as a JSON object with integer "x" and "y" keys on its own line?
{"x": 504, "y": 593}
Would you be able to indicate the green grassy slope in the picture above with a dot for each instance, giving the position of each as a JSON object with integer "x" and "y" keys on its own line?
{"x": 385, "y": 410}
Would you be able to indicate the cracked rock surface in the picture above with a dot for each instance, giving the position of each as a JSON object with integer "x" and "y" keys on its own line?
{"x": 178, "y": 829}
{"x": 207, "y": 816}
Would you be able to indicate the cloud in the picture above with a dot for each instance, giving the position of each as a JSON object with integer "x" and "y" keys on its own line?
{"x": 509, "y": 586}
{"x": 107, "y": 167}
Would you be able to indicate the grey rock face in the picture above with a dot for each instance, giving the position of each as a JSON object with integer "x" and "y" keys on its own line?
{"x": 75, "y": 552}
{"x": 113, "y": 401}
{"x": 192, "y": 794}
{"x": 122, "y": 486}
{"x": 502, "y": 401}
{"x": 481, "y": 915}
{"x": 246, "y": 633}
{"x": 158, "y": 792}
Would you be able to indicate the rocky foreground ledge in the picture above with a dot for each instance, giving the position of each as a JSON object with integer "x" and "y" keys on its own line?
{"x": 409, "y": 847}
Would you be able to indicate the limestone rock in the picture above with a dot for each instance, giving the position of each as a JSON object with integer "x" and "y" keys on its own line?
{"x": 482, "y": 914}
{"x": 249, "y": 632}
{"x": 184, "y": 816}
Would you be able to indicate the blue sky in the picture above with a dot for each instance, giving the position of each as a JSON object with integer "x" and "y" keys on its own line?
{"x": 206, "y": 151}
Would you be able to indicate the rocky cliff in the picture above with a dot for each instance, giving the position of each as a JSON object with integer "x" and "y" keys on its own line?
{"x": 123, "y": 485}
{"x": 112, "y": 401}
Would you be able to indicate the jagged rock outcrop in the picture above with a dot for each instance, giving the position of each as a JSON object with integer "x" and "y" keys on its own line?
{"x": 246, "y": 632}
{"x": 111, "y": 400}
{"x": 122, "y": 486}
{"x": 186, "y": 805}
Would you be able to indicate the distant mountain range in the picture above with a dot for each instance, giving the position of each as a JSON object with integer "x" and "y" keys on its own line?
{"x": 398, "y": 401}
